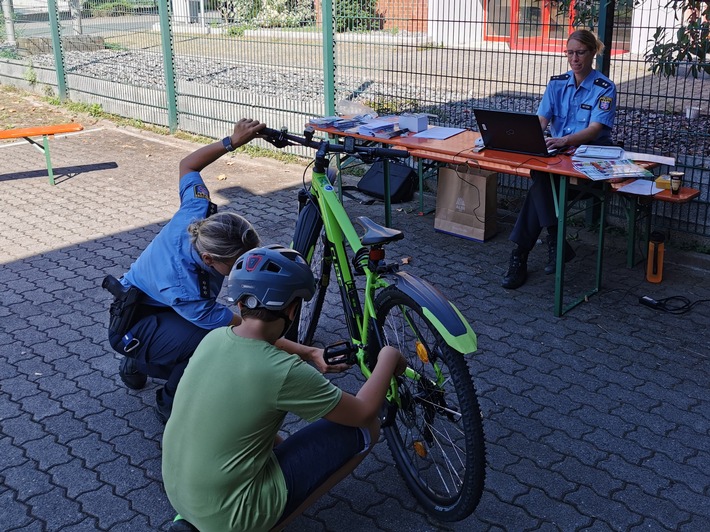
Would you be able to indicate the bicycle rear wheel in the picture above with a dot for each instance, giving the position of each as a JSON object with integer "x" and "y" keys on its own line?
{"x": 436, "y": 438}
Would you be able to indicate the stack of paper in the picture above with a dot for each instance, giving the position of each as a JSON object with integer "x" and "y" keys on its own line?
{"x": 380, "y": 125}
{"x": 598, "y": 152}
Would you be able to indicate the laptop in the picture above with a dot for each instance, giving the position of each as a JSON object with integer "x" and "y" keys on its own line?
{"x": 513, "y": 132}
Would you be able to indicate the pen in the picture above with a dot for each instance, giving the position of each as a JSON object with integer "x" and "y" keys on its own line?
{"x": 400, "y": 132}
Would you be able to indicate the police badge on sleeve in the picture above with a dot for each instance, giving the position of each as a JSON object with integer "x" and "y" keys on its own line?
{"x": 605, "y": 103}
{"x": 201, "y": 192}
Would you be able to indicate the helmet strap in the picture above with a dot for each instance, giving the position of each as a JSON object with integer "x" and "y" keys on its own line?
{"x": 287, "y": 322}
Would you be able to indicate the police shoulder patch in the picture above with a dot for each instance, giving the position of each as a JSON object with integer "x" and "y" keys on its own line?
{"x": 605, "y": 103}
{"x": 602, "y": 83}
{"x": 560, "y": 77}
{"x": 201, "y": 191}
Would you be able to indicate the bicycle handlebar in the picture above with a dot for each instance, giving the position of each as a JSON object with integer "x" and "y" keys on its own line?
{"x": 283, "y": 138}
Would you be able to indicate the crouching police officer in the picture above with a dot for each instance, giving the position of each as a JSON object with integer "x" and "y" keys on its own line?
{"x": 169, "y": 301}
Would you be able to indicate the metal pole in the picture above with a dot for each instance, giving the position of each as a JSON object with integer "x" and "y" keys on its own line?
{"x": 168, "y": 63}
{"x": 58, "y": 52}
{"x": 75, "y": 8}
{"x": 328, "y": 57}
{"x": 9, "y": 16}
{"x": 606, "y": 34}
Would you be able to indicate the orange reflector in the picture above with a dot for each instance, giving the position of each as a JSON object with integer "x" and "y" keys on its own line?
{"x": 421, "y": 353}
{"x": 420, "y": 449}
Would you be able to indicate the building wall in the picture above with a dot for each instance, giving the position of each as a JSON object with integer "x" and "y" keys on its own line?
{"x": 404, "y": 15}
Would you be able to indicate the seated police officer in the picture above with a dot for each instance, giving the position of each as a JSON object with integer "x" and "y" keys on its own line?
{"x": 579, "y": 107}
{"x": 180, "y": 275}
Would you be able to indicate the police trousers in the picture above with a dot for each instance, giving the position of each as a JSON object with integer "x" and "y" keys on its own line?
{"x": 164, "y": 342}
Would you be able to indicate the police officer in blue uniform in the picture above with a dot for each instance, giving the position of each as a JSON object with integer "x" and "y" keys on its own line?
{"x": 179, "y": 276}
{"x": 579, "y": 108}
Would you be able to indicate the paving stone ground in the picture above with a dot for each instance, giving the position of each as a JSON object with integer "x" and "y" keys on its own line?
{"x": 599, "y": 420}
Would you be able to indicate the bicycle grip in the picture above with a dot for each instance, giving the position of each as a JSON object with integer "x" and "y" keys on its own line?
{"x": 390, "y": 153}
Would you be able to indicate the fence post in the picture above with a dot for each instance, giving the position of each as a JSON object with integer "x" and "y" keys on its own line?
{"x": 166, "y": 37}
{"x": 9, "y": 16}
{"x": 328, "y": 57}
{"x": 606, "y": 34}
{"x": 58, "y": 52}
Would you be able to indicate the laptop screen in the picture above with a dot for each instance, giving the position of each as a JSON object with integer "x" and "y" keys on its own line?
{"x": 511, "y": 131}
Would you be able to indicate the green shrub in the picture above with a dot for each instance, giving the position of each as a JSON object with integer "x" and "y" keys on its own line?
{"x": 357, "y": 15}
{"x": 116, "y": 8}
{"x": 267, "y": 13}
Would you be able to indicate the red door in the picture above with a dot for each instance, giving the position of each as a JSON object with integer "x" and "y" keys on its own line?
{"x": 538, "y": 25}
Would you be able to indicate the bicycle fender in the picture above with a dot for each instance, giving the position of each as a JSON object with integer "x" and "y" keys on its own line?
{"x": 443, "y": 314}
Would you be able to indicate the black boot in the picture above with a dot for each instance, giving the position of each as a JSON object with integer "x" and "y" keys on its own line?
{"x": 131, "y": 377}
{"x": 551, "y": 265}
{"x": 163, "y": 405}
{"x": 517, "y": 272}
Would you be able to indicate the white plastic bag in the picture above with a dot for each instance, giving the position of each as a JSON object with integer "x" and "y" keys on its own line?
{"x": 349, "y": 107}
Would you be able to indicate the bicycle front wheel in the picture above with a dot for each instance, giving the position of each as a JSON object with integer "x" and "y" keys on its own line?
{"x": 436, "y": 438}
{"x": 306, "y": 322}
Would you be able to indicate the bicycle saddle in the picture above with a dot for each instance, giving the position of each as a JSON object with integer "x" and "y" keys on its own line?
{"x": 376, "y": 233}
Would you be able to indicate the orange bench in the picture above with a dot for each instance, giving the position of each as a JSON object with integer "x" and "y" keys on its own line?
{"x": 41, "y": 131}
{"x": 639, "y": 208}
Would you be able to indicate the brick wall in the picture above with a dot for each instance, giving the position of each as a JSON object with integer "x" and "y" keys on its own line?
{"x": 409, "y": 15}
{"x": 404, "y": 15}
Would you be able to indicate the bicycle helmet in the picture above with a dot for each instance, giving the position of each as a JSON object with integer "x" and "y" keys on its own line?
{"x": 271, "y": 277}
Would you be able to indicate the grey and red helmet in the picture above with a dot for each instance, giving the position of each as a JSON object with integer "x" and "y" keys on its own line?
{"x": 271, "y": 277}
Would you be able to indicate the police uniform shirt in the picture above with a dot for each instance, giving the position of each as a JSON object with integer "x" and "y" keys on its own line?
{"x": 171, "y": 272}
{"x": 571, "y": 109}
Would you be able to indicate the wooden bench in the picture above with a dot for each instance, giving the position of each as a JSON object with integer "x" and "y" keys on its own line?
{"x": 41, "y": 131}
{"x": 639, "y": 207}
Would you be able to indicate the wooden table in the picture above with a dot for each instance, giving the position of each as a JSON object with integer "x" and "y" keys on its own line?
{"x": 460, "y": 150}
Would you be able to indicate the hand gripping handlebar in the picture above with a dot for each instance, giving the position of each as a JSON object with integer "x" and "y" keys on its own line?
{"x": 283, "y": 138}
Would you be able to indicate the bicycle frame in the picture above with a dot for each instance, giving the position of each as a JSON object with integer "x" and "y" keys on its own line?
{"x": 340, "y": 233}
{"x": 431, "y": 419}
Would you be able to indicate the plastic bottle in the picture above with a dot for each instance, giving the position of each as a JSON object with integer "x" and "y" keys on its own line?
{"x": 654, "y": 266}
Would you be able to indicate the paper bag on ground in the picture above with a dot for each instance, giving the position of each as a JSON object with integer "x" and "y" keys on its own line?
{"x": 466, "y": 203}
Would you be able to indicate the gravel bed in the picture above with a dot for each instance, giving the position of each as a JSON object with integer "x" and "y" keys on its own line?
{"x": 640, "y": 129}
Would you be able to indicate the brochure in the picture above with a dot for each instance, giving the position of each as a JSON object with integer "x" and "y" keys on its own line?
{"x": 598, "y": 152}
{"x": 610, "y": 169}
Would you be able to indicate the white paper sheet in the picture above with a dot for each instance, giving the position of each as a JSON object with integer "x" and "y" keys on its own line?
{"x": 649, "y": 157}
{"x": 641, "y": 187}
{"x": 439, "y": 133}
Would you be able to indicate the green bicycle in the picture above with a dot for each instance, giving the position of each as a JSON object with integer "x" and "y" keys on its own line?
{"x": 432, "y": 420}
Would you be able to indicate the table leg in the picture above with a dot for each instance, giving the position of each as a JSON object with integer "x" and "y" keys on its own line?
{"x": 561, "y": 202}
{"x": 602, "y": 195}
{"x": 420, "y": 174}
{"x": 47, "y": 158}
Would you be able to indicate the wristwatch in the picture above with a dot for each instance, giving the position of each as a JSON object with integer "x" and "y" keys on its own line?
{"x": 227, "y": 143}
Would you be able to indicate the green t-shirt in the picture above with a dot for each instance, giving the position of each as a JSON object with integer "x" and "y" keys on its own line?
{"x": 219, "y": 469}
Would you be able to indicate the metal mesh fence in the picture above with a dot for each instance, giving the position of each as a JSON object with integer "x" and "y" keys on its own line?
{"x": 198, "y": 65}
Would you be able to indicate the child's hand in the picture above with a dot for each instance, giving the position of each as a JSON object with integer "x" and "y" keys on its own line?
{"x": 316, "y": 356}
{"x": 392, "y": 356}
{"x": 401, "y": 365}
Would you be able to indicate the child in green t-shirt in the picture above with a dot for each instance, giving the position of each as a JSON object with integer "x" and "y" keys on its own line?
{"x": 224, "y": 465}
